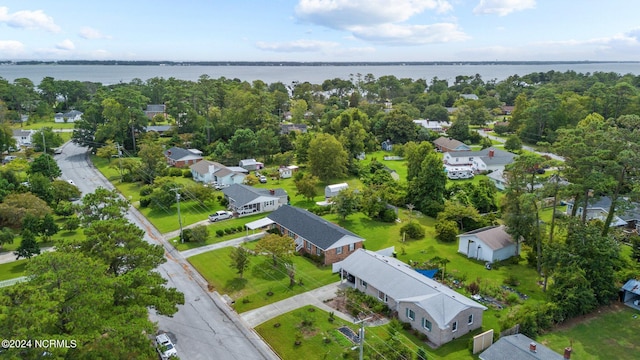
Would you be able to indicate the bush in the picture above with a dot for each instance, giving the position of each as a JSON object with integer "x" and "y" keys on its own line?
{"x": 197, "y": 234}
{"x": 175, "y": 172}
{"x": 388, "y": 216}
{"x": 413, "y": 230}
{"x": 145, "y": 202}
{"x": 187, "y": 174}
{"x": 473, "y": 288}
{"x": 146, "y": 190}
{"x": 240, "y": 228}
{"x": 228, "y": 231}
{"x": 446, "y": 231}
{"x": 219, "y": 233}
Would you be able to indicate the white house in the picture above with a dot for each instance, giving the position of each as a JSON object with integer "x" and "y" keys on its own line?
{"x": 436, "y": 126}
{"x": 491, "y": 243}
{"x": 287, "y": 171}
{"x": 209, "y": 172}
{"x": 246, "y": 200}
{"x": 251, "y": 164}
{"x": 23, "y": 137}
{"x": 627, "y": 214}
{"x": 333, "y": 190}
{"x": 489, "y": 159}
{"x": 498, "y": 179}
{"x": 68, "y": 117}
{"x": 430, "y": 307}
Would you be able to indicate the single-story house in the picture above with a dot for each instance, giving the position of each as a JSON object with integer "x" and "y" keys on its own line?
{"x": 445, "y": 145}
{"x": 599, "y": 209}
{"x": 333, "y": 190}
{"x": 498, "y": 179}
{"x": 387, "y": 145}
{"x": 521, "y": 347}
{"x": 246, "y": 200}
{"x": 179, "y": 157}
{"x": 23, "y": 137}
{"x": 430, "y": 307}
{"x": 251, "y": 164}
{"x": 287, "y": 171}
{"x": 159, "y": 129}
{"x": 209, "y": 172}
{"x": 469, "y": 96}
{"x": 68, "y": 117}
{"x": 433, "y": 125}
{"x": 507, "y": 109}
{"x": 314, "y": 235}
{"x": 630, "y": 293}
{"x": 491, "y": 243}
{"x": 155, "y": 109}
{"x": 287, "y": 128}
{"x": 489, "y": 159}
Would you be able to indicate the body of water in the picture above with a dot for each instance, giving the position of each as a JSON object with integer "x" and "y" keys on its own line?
{"x": 113, "y": 74}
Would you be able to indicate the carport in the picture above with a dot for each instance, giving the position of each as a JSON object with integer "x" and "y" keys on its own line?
{"x": 260, "y": 224}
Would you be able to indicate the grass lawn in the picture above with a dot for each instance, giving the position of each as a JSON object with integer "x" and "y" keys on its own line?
{"x": 13, "y": 269}
{"x": 318, "y": 337}
{"x": 221, "y": 225}
{"x": 262, "y": 277}
{"x": 610, "y": 333}
{"x": 49, "y": 124}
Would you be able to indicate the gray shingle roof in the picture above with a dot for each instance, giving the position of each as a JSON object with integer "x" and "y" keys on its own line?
{"x": 310, "y": 226}
{"x": 516, "y": 347}
{"x": 176, "y": 153}
{"x": 494, "y": 237}
{"x": 243, "y": 194}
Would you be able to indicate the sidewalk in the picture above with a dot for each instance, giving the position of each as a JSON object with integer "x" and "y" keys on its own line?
{"x": 314, "y": 297}
{"x": 220, "y": 245}
{"x": 9, "y": 256}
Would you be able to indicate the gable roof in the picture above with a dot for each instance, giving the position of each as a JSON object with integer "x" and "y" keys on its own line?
{"x": 402, "y": 283}
{"x": 21, "y": 133}
{"x": 449, "y": 143}
{"x": 490, "y": 156}
{"x": 626, "y": 213}
{"x": 495, "y": 237}
{"x": 633, "y": 286}
{"x": 176, "y": 153}
{"x": 310, "y": 226}
{"x": 243, "y": 194}
{"x": 517, "y": 347}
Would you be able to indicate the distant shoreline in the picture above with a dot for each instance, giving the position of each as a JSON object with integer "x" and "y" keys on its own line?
{"x": 302, "y": 63}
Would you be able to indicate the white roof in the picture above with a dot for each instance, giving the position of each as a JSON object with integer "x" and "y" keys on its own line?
{"x": 258, "y": 224}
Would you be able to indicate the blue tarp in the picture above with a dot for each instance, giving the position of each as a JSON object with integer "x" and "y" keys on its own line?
{"x": 428, "y": 273}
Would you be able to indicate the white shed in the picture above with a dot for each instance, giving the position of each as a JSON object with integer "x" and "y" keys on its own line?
{"x": 490, "y": 244}
{"x": 333, "y": 190}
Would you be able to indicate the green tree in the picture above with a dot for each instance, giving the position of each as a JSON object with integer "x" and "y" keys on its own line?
{"x": 152, "y": 160}
{"x": 513, "y": 143}
{"x": 571, "y": 291}
{"x": 16, "y": 206}
{"x": 71, "y": 223}
{"x": 102, "y": 204}
{"x": 306, "y": 185}
{"x": 346, "y": 202}
{"x": 427, "y": 189}
{"x": 48, "y": 227}
{"x": 327, "y": 158}
{"x": 64, "y": 191}
{"x": 197, "y": 234}
{"x": 277, "y": 246}
{"x": 240, "y": 259}
{"x": 28, "y": 246}
{"x": 108, "y": 150}
{"x": 51, "y": 140}
{"x": 46, "y": 165}
{"x": 446, "y": 230}
{"x": 6, "y": 236}
{"x": 41, "y": 186}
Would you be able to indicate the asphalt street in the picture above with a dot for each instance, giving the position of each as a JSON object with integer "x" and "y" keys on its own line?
{"x": 204, "y": 327}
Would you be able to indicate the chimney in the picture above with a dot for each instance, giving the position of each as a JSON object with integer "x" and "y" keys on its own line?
{"x": 272, "y": 192}
{"x": 491, "y": 153}
{"x": 567, "y": 353}
{"x": 532, "y": 347}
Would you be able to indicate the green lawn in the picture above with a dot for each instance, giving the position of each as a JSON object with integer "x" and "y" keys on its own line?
{"x": 318, "y": 337}
{"x": 262, "y": 277}
{"x": 49, "y": 124}
{"x": 13, "y": 269}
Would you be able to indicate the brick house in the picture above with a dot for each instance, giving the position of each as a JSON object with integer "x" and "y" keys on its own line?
{"x": 179, "y": 157}
{"x": 314, "y": 235}
{"x": 445, "y": 144}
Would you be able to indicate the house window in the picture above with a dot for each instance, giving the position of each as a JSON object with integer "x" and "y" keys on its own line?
{"x": 426, "y": 324}
{"x": 411, "y": 314}
{"x": 382, "y": 296}
{"x": 339, "y": 250}
{"x": 470, "y": 320}
{"x": 454, "y": 326}
{"x": 352, "y": 247}
{"x": 318, "y": 251}
{"x": 308, "y": 246}
{"x": 363, "y": 283}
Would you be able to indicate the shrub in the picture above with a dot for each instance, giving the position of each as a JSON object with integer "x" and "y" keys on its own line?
{"x": 219, "y": 233}
{"x": 473, "y": 288}
{"x": 228, "y": 231}
{"x": 511, "y": 280}
{"x": 146, "y": 190}
{"x": 388, "y": 216}
{"x": 187, "y": 174}
{"x": 240, "y": 228}
{"x": 145, "y": 202}
{"x": 446, "y": 231}
{"x": 197, "y": 234}
{"x": 274, "y": 231}
{"x": 175, "y": 172}
{"x": 413, "y": 230}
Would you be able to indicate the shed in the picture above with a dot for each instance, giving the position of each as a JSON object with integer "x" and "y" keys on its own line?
{"x": 491, "y": 243}
{"x": 631, "y": 293}
{"x": 333, "y": 190}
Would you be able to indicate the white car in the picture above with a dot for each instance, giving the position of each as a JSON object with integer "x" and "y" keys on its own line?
{"x": 220, "y": 215}
{"x": 165, "y": 347}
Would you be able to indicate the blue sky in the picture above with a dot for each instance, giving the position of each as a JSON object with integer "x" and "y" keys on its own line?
{"x": 321, "y": 30}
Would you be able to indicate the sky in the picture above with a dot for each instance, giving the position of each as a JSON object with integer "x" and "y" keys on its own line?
{"x": 321, "y": 30}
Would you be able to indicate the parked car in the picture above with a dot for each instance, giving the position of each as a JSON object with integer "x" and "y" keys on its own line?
{"x": 220, "y": 215}
{"x": 8, "y": 159}
{"x": 262, "y": 179}
{"x": 165, "y": 347}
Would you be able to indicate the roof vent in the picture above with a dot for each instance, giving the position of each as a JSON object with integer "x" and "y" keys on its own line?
{"x": 532, "y": 347}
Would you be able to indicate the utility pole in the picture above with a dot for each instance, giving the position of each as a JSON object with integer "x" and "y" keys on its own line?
{"x": 179, "y": 217}
{"x": 44, "y": 145}
{"x": 361, "y": 335}
{"x": 119, "y": 160}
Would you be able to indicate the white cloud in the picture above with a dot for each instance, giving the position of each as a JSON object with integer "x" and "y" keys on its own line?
{"x": 65, "y": 45}
{"x": 91, "y": 33}
{"x": 341, "y": 14}
{"x": 411, "y": 34}
{"x": 26, "y": 19}
{"x": 503, "y": 7}
{"x": 11, "y": 47}
{"x": 297, "y": 46}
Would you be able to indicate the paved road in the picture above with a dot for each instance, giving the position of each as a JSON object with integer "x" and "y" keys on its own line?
{"x": 204, "y": 327}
